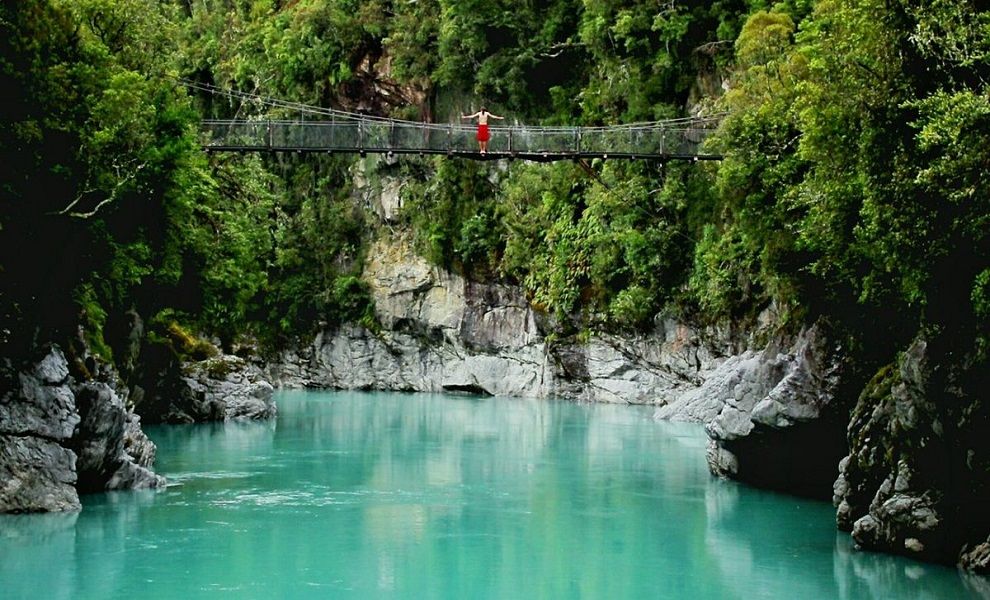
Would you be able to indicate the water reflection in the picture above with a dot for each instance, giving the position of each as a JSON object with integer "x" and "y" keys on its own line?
{"x": 390, "y": 495}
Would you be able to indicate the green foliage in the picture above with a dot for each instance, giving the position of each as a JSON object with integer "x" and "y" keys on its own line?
{"x": 604, "y": 242}
{"x": 187, "y": 345}
{"x": 95, "y": 137}
{"x": 853, "y": 182}
{"x": 92, "y": 319}
{"x": 451, "y": 212}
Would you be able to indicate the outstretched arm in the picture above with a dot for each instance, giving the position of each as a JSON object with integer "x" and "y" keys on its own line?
{"x": 495, "y": 116}
{"x": 470, "y": 116}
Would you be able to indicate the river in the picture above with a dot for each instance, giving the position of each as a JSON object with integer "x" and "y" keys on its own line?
{"x": 383, "y": 495}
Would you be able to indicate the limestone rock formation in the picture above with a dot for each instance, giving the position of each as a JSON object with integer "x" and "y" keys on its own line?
{"x": 36, "y": 474}
{"x": 107, "y": 435}
{"x": 58, "y": 438}
{"x": 223, "y": 388}
{"x": 777, "y": 425}
{"x": 440, "y": 332}
{"x": 37, "y": 419}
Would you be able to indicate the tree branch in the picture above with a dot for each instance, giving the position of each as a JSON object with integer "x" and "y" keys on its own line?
{"x": 131, "y": 174}
{"x": 711, "y": 48}
{"x": 557, "y": 49}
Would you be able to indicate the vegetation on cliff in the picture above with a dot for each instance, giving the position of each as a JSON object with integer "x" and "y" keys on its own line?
{"x": 855, "y": 143}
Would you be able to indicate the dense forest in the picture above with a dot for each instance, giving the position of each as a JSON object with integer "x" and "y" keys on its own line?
{"x": 855, "y": 137}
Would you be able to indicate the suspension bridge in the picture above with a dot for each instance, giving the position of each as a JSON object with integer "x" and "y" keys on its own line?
{"x": 312, "y": 129}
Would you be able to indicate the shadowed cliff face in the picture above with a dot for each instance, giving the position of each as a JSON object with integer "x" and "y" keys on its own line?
{"x": 59, "y": 438}
{"x": 917, "y": 477}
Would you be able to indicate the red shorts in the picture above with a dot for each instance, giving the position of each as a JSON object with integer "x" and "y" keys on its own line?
{"x": 483, "y": 135}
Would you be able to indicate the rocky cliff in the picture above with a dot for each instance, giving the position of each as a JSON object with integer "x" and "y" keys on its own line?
{"x": 916, "y": 480}
{"x": 773, "y": 410}
{"x": 780, "y": 424}
{"x": 60, "y": 437}
{"x": 441, "y": 332}
{"x": 776, "y": 412}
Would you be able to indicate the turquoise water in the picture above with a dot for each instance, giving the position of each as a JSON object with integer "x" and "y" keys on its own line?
{"x": 359, "y": 495}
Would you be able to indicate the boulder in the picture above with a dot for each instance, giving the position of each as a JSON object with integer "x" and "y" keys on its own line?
{"x": 36, "y": 474}
{"x": 223, "y": 388}
{"x": 102, "y": 443}
{"x": 40, "y": 402}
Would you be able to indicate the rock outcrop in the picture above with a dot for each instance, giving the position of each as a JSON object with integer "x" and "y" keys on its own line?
{"x": 916, "y": 480}
{"x": 59, "y": 438}
{"x": 222, "y": 388}
{"x": 780, "y": 424}
{"x": 440, "y": 332}
{"x": 112, "y": 451}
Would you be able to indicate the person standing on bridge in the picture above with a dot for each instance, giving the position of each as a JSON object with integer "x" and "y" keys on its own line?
{"x": 483, "y": 135}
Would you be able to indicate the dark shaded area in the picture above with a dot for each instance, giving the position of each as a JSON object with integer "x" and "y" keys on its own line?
{"x": 802, "y": 459}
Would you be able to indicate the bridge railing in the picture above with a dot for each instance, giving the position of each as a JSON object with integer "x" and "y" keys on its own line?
{"x": 676, "y": 138}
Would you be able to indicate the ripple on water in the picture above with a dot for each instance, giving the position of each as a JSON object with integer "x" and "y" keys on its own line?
{"x": 179, "y": 478}
{"x": 283, "y": 498}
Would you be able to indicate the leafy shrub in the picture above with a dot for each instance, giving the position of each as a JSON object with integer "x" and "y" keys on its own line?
{"x": 189, "y": 346}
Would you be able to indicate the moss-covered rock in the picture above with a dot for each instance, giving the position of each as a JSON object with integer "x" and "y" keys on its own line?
{"x": 915, "y": 481}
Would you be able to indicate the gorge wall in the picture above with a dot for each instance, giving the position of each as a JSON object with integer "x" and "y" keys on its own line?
{"x": 905, "y": 458}
{"x": 67, "y": 429}
{"x": 441, "y": 332}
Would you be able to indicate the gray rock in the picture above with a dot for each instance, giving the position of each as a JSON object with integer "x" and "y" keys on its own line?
{"x": 58, "y": 439}
{"x": 130, "y": 476}
{"x": 442, "y": 332}
{"x": 767, "y": 406}
{"x": 53, "y": 369}
{"x": 102, "y": 443}
{"x": 136, "y": 443}
{"x": 224, "y": 388}
{"x": 36, "y": 475}
{"x": 907, "y": 486}
{"x": 721, "y": 462}
{"x": 976, "y": 559}
{"x": 42, "y": 404}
